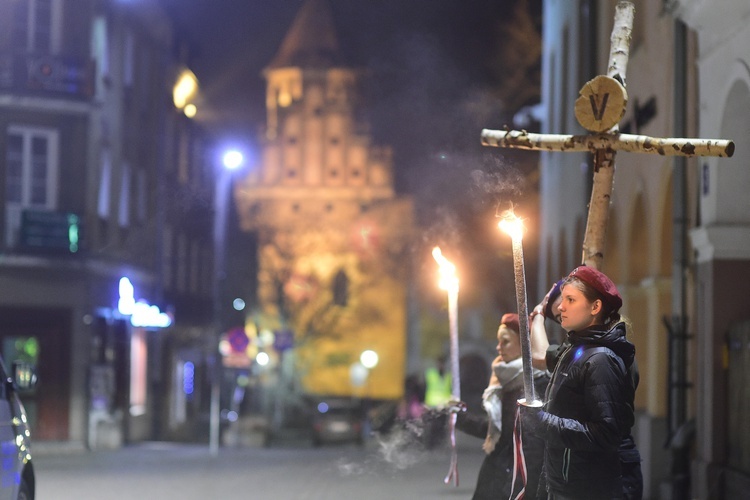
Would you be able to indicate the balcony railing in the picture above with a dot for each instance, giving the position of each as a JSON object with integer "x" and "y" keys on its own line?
{"x": 46, "y": 75}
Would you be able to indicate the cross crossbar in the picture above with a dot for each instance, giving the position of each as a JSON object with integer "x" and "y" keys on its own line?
{"x": 617, "y": 142}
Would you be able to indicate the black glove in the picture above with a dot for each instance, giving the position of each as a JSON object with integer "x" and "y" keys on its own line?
{"x": 532, "y": 418}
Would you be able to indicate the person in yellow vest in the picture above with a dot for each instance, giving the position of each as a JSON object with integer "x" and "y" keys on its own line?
{"x": 438, "y": 383}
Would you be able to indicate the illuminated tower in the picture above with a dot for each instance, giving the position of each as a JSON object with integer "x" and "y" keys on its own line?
{"x": 332, "y": 234}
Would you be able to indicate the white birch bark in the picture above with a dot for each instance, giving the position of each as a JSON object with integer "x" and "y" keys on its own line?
{"x": 617, "y": 142}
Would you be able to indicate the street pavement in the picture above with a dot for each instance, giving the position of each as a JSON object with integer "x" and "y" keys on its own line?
{"x": 294, "y": 471}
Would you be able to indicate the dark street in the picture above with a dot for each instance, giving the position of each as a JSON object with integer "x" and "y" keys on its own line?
{"x": 168, "y": 470}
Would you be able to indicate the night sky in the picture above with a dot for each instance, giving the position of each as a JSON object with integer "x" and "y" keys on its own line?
{"x": 435, "y": 80}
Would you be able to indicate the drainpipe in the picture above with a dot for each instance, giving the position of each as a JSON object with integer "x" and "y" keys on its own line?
{"x": 589, "y": 19}
{"x": 679, "y": 434}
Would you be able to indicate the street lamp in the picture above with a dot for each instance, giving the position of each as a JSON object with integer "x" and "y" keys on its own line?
{"x": 369, "y": 359}
{"x": 232, "y": 160}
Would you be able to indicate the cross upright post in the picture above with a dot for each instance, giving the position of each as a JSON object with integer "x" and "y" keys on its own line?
{"x": 600, "y": 106}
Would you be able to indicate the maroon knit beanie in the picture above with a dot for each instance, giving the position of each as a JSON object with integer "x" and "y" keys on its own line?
{"x": 601, "y": 283}
{"x": 511, "y": 321}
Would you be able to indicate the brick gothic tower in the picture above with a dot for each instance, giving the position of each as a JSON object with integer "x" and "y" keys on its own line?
{"x": 333, "y": 237}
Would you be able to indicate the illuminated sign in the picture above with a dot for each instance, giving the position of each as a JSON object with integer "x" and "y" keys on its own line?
{"x": 141, "y": 312}
{"x": 57, "y": 232}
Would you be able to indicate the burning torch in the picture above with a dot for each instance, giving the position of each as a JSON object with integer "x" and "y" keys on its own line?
{"x": 513, "y": 226}
{"x": 449, "y": 283}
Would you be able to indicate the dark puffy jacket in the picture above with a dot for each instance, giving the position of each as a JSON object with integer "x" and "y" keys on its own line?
{"x": 496, "y": 472}
{"x": 588, "y": 414}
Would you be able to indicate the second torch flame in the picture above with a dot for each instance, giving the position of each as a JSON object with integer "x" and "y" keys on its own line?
{"x": 449, "y": 282}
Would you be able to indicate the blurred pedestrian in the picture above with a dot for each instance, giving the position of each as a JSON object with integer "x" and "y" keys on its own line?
{"x": 411, "y": 405}
{"x": 588, "y": 409}
{"x": 496, "y": 479}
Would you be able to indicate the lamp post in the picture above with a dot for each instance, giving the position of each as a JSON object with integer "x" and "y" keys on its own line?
{"x": 231, "y": 162}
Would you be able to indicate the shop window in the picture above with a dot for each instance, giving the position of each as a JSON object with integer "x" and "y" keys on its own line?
{"x": 138, "y": 358}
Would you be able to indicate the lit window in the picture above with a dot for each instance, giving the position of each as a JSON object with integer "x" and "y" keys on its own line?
{"x": 138, "y": 358}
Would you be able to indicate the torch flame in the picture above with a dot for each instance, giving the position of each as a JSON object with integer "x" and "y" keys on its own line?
{"x": 511, "y": 224}
{"x": 447, "y": 270}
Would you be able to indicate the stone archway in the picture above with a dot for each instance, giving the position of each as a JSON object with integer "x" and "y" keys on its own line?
{"x": 732, "y": 176}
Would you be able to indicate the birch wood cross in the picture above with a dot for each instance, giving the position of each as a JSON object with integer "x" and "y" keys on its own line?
{"x": 598, "y": 109}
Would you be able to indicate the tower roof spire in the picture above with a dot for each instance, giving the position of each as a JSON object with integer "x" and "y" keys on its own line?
{"x": 311, "y": 42}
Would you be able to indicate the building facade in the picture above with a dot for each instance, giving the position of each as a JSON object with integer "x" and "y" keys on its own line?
{"x": 677, "y": 227}
{"x": 98, "y": 168}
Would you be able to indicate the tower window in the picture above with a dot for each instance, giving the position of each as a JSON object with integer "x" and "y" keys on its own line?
{"x": 341, "y": 288}
{"x": 285, "y": 98}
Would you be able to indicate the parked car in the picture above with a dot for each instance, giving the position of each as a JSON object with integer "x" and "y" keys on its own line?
{"x": 17, "y": 480}
{"x": 337, "y": 420}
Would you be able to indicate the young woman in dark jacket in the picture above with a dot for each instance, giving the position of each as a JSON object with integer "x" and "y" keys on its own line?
{"x": 588, "y": 410}
{"x": 495, "y": 426}
{"x": 548, "y": 355}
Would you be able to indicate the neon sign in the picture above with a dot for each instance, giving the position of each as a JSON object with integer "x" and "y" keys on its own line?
{"x": 141, "y": 312}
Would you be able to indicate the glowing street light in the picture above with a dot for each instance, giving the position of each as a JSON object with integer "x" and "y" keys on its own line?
{"x": 369, "y": 359}
{"x": 233, "y": 159}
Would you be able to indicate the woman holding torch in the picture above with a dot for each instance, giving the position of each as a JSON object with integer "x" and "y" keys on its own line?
{"x": 588, "y": 408}
{"x": 496, "y": 479}
{"x": 630, "y": 457}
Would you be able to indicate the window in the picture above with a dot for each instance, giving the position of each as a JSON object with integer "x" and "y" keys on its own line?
{"x": 138, "y": 372}
{"x": 182, "y": 264}
{"x": 37, "y": 25}
{"x": 195, "y": 267}
{"x": 128, "y": 60}
{"x": 105, "y": 182}
{"x": 167, "y": 257}
{"x": 341, "y": 288}
{"x": 31, "y": 175}
{"x": 124, "y": 212}
{"x": 142, "y": 193}
{"x": 100, "y": 47}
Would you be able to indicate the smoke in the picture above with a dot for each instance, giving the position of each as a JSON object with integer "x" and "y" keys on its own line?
{"x": 444, "y": 230}
{"x": 403, "y": 445}
{"x": 499, "y": 184}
